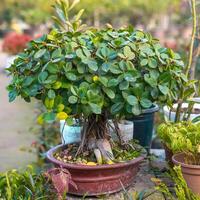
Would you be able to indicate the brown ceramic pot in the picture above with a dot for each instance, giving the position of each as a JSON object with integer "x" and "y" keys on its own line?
{"x": 191, "y": 173}
{"x": 100, "y": 179}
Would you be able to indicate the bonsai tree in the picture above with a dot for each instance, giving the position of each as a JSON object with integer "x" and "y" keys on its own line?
{"x": 95, "y": 75}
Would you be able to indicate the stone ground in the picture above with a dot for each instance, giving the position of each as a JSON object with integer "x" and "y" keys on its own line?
{"x": 15, "y": 121}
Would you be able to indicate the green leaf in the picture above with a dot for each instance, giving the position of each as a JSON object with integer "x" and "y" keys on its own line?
{"x": 12, "y": 95}
{"x": 51, "y": 94}
{"x": 124, "y": 85}
{"x": 129, "y": 77}
{"x": 95, "y": 108}
{"x": 115, "y": 69}
{"x": 67, "y": 67}
{"x": 109, "y": 92}
{"x": 128, "y": 53}
{"x": 57, "y": 53}
{"x": 164, "y": 77}
{"x": 27, "y": 81}
{"x": 52, "y": 68}
{"x": 164, "y": 89}
{"x": 72, "y": 99}
{"x": 79, "y": 53}
{"x": 144, "y": 62}
{"x": 145, "y": 103}
{"x": 73, "y": 90}
{"x": 92, "y": 64}
{"x": 132, "y": 100}
{"x": 40, "y": 53}
{"x": 51, "y": 79}
{"x": 42, "y": 77}
{"x": 136, "y": 110}
{"x": 103, "y": 80}
{"x": 71, "y": 76}
{"x": 151, "y": 81}
{"x": 106, "y": 66}
{"x": 115, "y": 108}
{"x": 69, "y": 121}
{"x": 113, "y": 82}
{"x": 152, "y": 63}
{"x": 49, "y": 117}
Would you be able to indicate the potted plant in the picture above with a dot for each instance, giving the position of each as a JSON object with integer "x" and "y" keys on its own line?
{"x": 183, "y": 139}
{"x": 187, "y": 106}
{"x": 95, "y": 76}
{"x": 189, "y": 111}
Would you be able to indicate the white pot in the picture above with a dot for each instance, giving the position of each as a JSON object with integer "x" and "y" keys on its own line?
{"x": 70, "y": 134}
{"x": 126, "y": 129}
{"x": 171, "y": 116}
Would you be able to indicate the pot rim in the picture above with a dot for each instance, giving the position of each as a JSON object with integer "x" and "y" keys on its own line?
{"x": 155, "y": 108}
{"x": 176, "y": 162}
{"x": 51, "y": 158}
{"x": 166, "y": 108}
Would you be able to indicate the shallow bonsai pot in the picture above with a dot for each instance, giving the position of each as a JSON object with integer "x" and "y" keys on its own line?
{"x": 191, "y": 173}
{"x": 171, "y": 115}
{"x": 100, "y": 179}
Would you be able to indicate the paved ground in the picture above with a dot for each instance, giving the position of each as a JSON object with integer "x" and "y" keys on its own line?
{"x": 15, "y": 121}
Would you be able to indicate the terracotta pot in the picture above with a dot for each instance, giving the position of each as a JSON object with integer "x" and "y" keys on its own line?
{"x": 191, "y": 173}
{"x": 100, "y": 179}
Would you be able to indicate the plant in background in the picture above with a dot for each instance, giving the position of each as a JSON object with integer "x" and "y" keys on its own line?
{"x": 189, "y": 88}
{"x": 14, "y": 43}
{"x": 95, "y": 75}
{"x": 182, "y": 137}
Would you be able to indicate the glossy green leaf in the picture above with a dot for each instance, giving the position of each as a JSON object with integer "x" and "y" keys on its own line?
{"x": 51, "y": 94}
{"x": 132, "y": 100}
{"x": 73, "y": 99}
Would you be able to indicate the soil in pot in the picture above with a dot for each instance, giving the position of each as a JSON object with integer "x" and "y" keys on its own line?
{"x": 93, "y": 179}
{"x": 191, "y": 173}
{"x": 68, "y": 154}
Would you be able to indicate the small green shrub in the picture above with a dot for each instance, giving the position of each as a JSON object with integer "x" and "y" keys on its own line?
{"x": 25, "y": 185}
{"x": 182, "y": 137}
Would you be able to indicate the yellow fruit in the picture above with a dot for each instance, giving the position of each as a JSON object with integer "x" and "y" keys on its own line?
{"x": 62, "y": 115}
{"x": 95, "y": 78}
{"x": 57, "y": 85}
{"x": 40, "y": 120}
{"x": 91, "y": 163}
{"x": 60, "y": 107}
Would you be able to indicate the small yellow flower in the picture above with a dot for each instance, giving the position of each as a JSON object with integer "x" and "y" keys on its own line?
{"x": 62, "y": 115}
{"x": 95, "y": 78}
{"x": 40, "y": 120}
